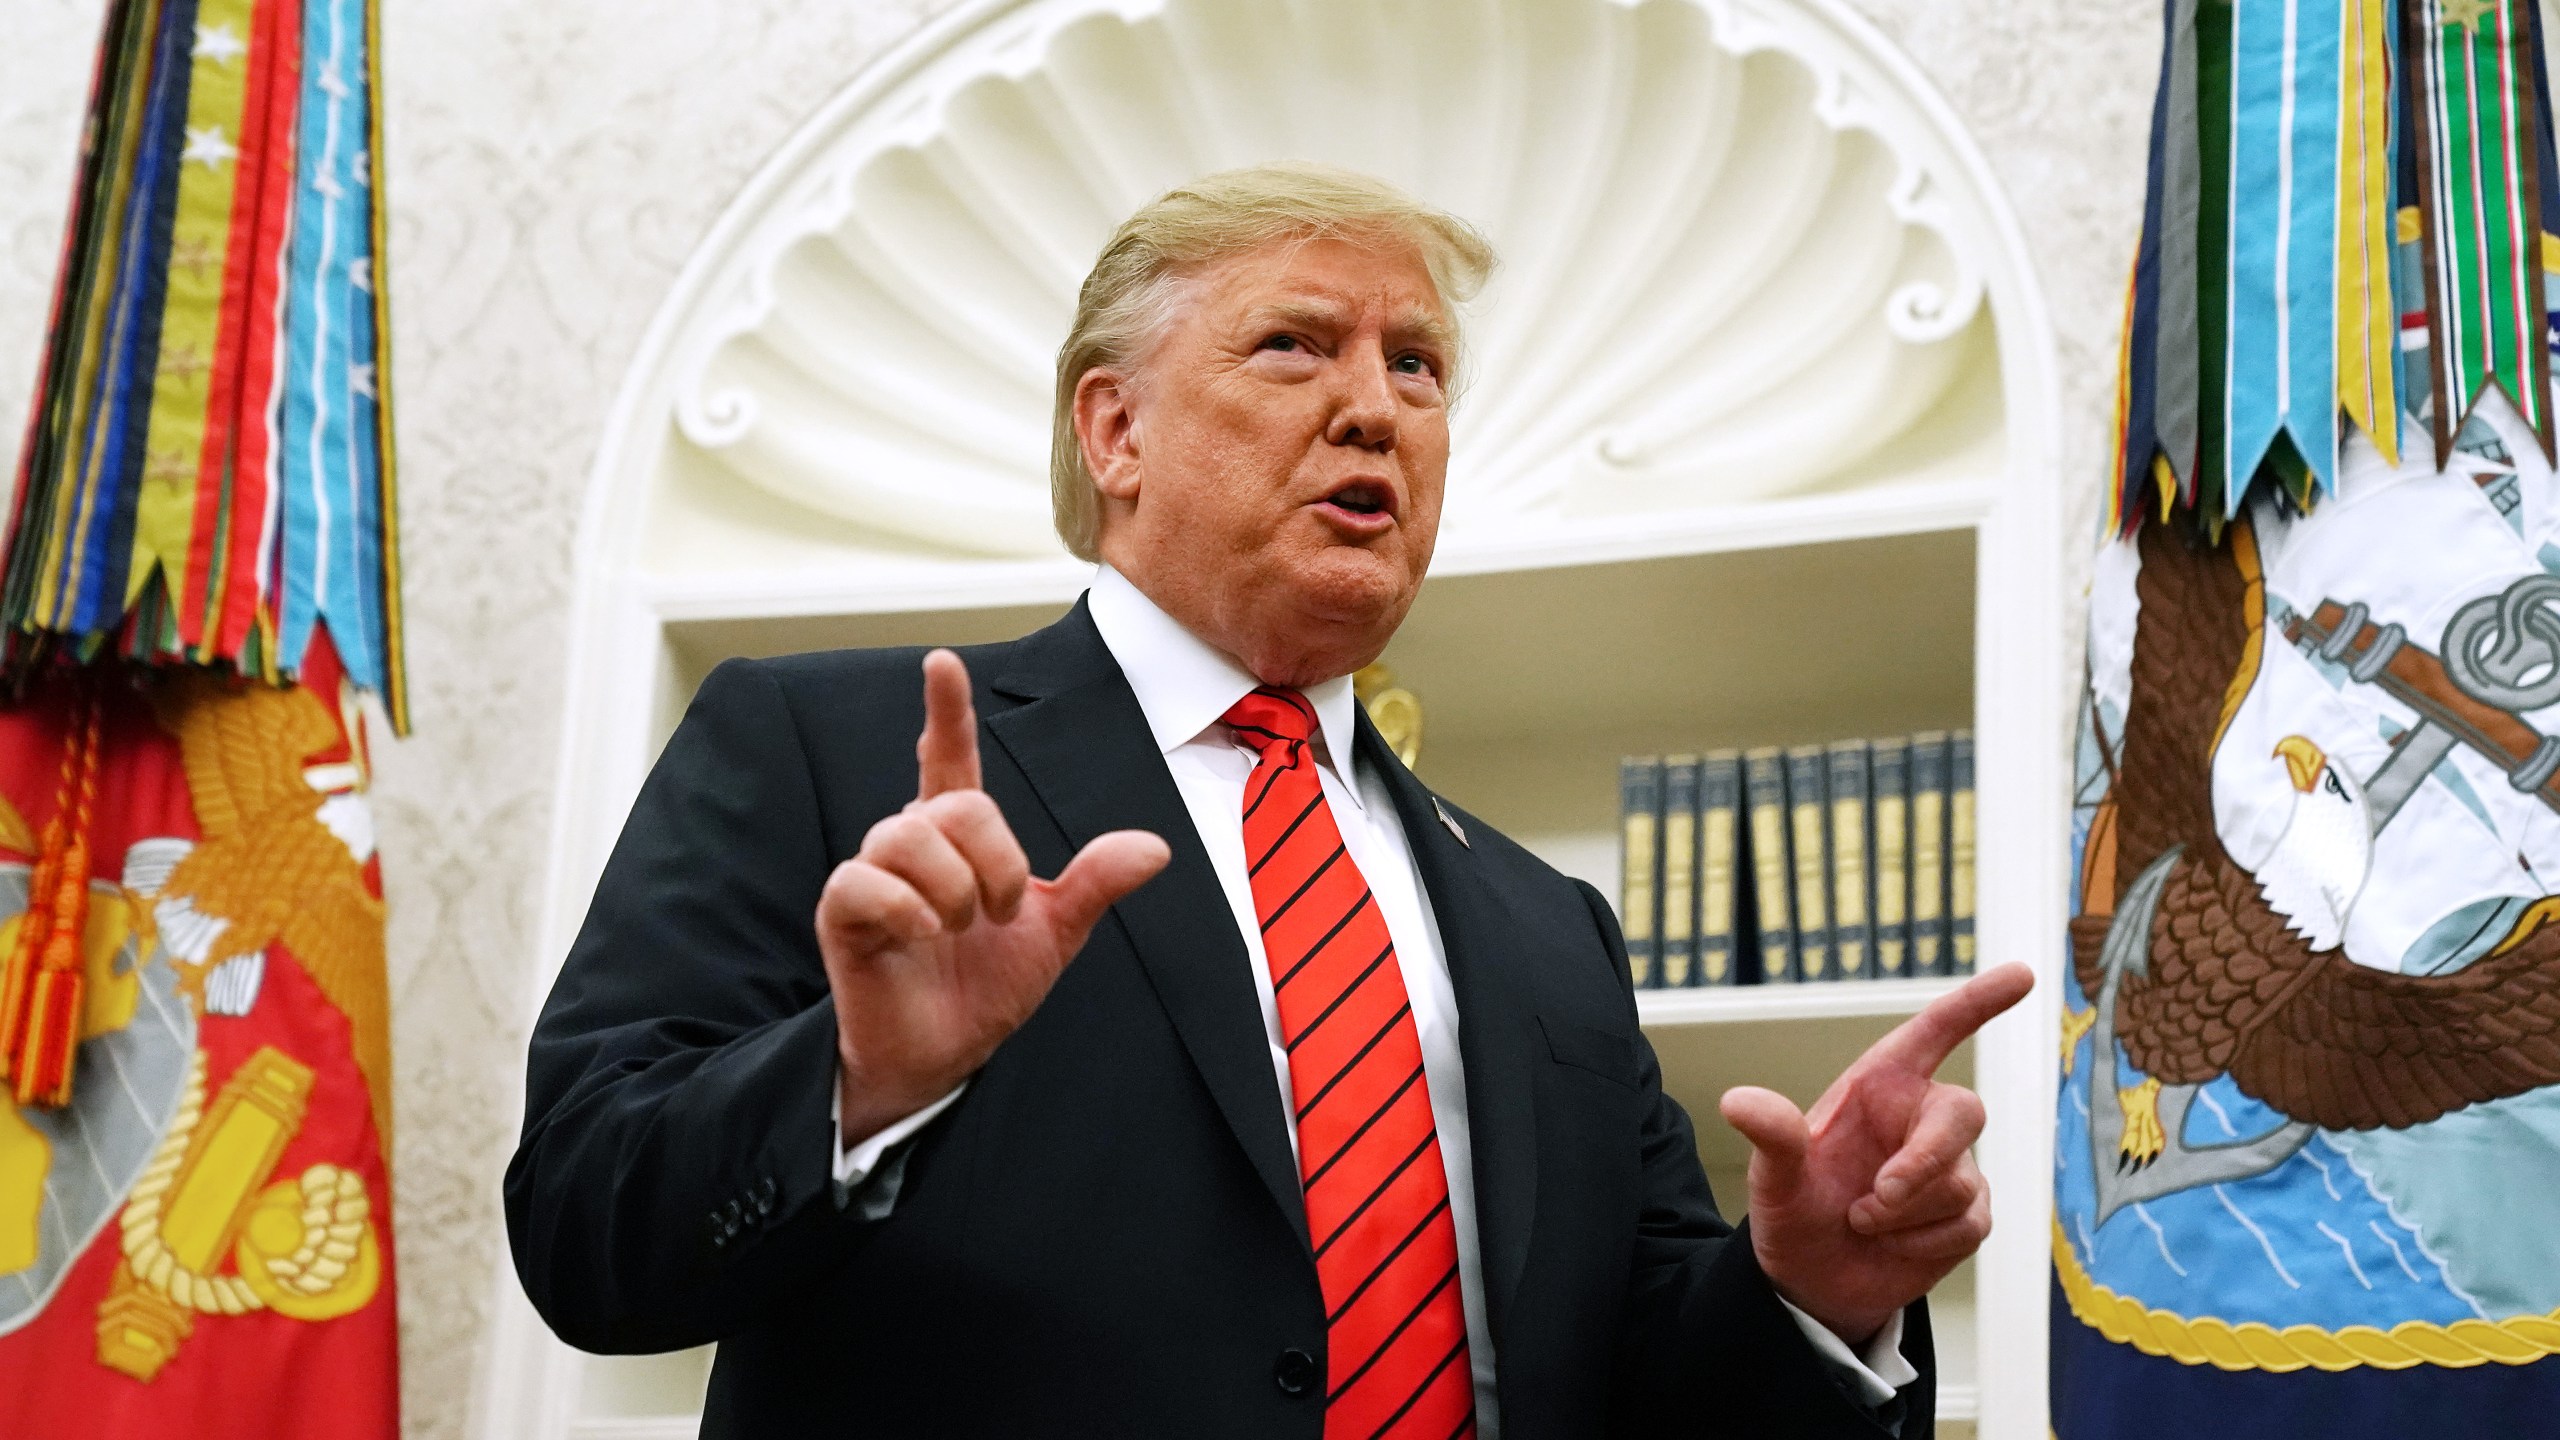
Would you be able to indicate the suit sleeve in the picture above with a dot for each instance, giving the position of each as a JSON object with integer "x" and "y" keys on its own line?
{"x": 1706, "y": 1348}
{"x": 670, "y": 1180}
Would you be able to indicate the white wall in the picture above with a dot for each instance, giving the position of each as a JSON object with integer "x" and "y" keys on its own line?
{"x": 551, "y": 164}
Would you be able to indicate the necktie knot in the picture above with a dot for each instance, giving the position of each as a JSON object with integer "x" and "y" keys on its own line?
{"x": 1270, "y": 716}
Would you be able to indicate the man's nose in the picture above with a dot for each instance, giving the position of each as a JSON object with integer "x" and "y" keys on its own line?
{"x": 1365, "y": 413}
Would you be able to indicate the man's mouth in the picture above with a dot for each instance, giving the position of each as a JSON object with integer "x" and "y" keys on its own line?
{"x": 1365, "y": 500}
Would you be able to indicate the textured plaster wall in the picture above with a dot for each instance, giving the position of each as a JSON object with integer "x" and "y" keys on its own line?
{"x": 551, "y": 165}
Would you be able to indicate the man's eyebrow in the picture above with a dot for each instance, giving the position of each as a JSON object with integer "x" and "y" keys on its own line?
{"x": 1309, "y": 314}
{"x": 1426, "y": 326}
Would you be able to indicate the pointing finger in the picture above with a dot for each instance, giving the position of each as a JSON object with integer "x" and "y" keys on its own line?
{"x": 1922, "y": 1043}
{"x": 1778, "y": 1136}
{"x": 947, "y": 752}
{"x": 1102, "y": 873}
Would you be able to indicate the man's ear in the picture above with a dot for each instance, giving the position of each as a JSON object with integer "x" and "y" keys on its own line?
{"x": 1107, "y": 431}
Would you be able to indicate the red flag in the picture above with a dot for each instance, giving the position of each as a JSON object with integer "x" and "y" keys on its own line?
{"x": 199, "y": 1242}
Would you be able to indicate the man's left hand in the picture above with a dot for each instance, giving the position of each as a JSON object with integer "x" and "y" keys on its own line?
{"x": 1858, "y": 1208}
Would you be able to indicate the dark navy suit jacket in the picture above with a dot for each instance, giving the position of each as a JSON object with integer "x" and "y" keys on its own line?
{"x": 1104, "y": 1237}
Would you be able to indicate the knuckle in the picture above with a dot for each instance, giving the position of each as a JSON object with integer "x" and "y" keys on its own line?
{"x": 846, "y": 886}
{"x": 891, "y": 832}
{"x": 1968, "y": 1109}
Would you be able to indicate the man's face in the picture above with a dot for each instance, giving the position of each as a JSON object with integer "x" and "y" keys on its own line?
{"x": 1272, "y": 470}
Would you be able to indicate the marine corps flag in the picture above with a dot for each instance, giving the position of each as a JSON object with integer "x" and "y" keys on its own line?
{"x": 200, "y": 584}
{"x": 198, "y": 1241}
{"x": 2308, "y": 1141}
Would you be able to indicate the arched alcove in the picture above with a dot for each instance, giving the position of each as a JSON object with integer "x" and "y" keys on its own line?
{"x": 1760, "y": 437}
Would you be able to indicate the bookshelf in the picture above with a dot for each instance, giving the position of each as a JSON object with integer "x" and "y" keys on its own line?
{"x": 1712, "y": 552}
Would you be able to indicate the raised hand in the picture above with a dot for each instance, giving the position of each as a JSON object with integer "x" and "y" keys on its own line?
{"x": 939, "y": 941}
{"x": 1861, "y": 1206}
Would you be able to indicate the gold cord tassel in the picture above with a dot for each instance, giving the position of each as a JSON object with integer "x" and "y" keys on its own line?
{"x": 42, "y": 988}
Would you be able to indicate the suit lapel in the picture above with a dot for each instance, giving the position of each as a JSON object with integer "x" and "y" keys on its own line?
{"x": 1081, "y": 740}
{"x": 1497, "y": 1029}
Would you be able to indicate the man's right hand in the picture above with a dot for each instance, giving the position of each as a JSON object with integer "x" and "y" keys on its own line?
{"x": 939, "y": 941}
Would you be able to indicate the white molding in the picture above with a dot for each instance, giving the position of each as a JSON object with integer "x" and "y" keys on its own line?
{"x": 632, "y": 584}
{"x": 655, "y": 1427}
{"x": 1745, "y": 1004}
{"x": 1691, "y": 315}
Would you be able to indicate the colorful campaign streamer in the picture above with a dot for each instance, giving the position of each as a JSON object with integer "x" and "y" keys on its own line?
{"x": 2349, "y": 222}
{"x": 207, "y": 479}
{"x": 2478, "y": 126}
{"x": 2281, "y": 335}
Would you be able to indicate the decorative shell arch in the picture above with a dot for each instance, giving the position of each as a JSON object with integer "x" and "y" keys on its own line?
{"x": 1746, "y": 256}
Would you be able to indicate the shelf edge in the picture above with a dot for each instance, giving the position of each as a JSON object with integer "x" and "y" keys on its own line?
{"x": 1815, "y": 1001}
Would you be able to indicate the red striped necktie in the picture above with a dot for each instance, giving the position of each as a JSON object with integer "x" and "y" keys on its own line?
{"x": 1368, "y": 1157}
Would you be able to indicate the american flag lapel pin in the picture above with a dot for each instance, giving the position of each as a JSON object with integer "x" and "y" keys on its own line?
{"x": 1446, "y": 819}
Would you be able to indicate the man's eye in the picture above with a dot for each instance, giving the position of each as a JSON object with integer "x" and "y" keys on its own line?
{"x": 1413, "y": 365}
{"x": 1282, "y": 342}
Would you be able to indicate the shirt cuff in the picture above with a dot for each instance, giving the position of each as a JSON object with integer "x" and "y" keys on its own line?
{"x": 854, "y": 1165}
{"x": 1874, "y": 1371}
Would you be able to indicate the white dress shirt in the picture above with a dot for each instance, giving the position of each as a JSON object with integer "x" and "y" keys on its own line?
{"x": 1183, "y": 686}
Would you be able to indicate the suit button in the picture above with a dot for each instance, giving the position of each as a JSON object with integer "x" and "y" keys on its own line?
{"x": 1296, "y": 1372}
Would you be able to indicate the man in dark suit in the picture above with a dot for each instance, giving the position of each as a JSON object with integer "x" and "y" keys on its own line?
{"x": 1340, "y": 1122}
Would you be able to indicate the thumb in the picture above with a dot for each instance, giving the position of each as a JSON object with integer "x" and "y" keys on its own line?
{"x": 1101, "y": 875}
{"x": 1778, "y": 1136}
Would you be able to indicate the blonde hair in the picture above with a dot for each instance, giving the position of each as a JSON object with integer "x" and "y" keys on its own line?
{"x": 1135, "y": 283}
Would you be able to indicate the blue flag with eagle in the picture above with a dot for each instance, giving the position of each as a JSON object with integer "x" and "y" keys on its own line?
{"x": 2308, "y": 1130}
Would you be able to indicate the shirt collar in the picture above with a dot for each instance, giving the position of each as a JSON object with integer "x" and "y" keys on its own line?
{"x": 1184, "y": 684}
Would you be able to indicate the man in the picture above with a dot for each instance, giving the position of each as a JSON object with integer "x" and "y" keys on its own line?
{"x": 1339, "y": 1122}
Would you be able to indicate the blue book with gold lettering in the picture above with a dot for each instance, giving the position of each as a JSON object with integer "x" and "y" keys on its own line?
{"x": 1640, "y": 865}
{"x": 1931, "y": 952}
{"x": 1960, "y": 851}
{"x": 1852, "y": 878}
{"x": 1721, "y": 883}
{"x": 1809, "y": 846}
{"x": 1889, "y": 790}
{"x": 1679, "y": 872}
{"x": 1764, "y": 781}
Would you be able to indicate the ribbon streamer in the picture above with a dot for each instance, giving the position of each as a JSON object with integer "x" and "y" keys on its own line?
{"x": 2349, "y": 221}
{"x": 207, "y": 479}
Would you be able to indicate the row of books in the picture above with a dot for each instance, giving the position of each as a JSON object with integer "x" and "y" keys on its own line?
{"x": 1850, "y": 861}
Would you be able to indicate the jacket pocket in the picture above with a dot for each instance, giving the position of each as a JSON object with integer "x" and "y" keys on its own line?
{"x": 1604, "y": 1053}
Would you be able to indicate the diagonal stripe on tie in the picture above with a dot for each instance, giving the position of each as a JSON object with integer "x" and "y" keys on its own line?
{"x": 1385, "y": 1427}
{"x": 1377, "y": 1195}
{"x": 1447, "y": 1278}
{"x": 1349, "y": 992}
{"x": 1300, "y": 968}
{"x": 1366, "y": 1050}
{"x": 1363, "y": 1236}
{"x": 1316, "y": 1170}
{"x": 1314, "y": 878}
{"x": 1273, "y": 848}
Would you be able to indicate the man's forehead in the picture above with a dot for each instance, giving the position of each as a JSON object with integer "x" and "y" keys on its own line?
{"x": 1282, "y": 282}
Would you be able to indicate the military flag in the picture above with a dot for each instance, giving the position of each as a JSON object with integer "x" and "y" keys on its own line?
{"x": 2308, "y": 1137}
{"x": 199, "y": 591}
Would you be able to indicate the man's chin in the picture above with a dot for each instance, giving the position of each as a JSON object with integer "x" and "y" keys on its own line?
{"x": 1354, "y": 585}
